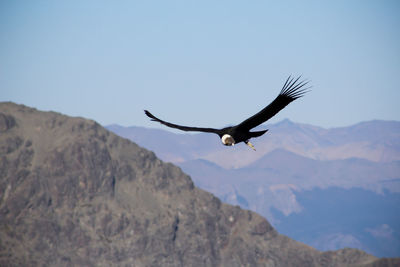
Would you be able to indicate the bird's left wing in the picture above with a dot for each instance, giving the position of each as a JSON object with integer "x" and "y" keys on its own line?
{"x": 180, "y": 127}
{"x": 291, "y": 90}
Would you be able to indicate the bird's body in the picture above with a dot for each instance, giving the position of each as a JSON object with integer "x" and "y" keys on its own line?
{"x": 292, "y": 89}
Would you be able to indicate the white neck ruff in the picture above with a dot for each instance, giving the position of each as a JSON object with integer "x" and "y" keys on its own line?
{"x": 227, "y": 140}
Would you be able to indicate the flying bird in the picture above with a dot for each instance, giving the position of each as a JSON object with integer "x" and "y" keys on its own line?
{"x": 291, "y": 90}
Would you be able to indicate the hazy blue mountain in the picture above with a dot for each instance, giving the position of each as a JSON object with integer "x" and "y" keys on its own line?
{"x": 295, "y": 193}
{"x": 294, "y": 161}
{"x": 377, "y": 141}
{"x": 346, "y": 217}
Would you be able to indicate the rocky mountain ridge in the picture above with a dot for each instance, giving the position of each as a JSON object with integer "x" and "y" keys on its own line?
{"x": 73, "y": 193}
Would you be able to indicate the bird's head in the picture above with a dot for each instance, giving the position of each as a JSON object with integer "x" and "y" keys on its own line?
{"x": 227, "y": 140}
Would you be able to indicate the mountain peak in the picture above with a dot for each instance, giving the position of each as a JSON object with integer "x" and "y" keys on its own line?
{"x": 285, "y": 122}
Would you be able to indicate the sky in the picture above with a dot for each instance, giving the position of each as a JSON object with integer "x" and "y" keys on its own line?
{"x": 201, "y": 63}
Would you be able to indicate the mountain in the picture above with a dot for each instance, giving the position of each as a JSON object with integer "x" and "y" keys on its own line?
{"x": 286, "y": 188}
{"x": 377, "y": 141}
{"x": 292, "y": 164}
{"x": 352, "y": 217}
{"x": 74, "y": 194}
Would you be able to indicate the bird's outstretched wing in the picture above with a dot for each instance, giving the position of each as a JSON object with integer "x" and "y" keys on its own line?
{"x": 180, "y": 127}
{"x": 291, "y": 90}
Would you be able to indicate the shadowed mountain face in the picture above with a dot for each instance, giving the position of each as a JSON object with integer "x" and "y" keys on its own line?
{"x": 74, "y": 194}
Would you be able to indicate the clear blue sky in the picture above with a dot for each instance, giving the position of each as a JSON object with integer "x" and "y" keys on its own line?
{"x": 203, "y": 63}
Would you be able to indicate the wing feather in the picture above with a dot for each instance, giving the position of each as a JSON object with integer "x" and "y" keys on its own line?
{"x": 291, "y": 90}
{"x": 180, "y": 127}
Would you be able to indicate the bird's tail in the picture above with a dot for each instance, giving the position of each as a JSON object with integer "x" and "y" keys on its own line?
{"x": 258, "y": 133}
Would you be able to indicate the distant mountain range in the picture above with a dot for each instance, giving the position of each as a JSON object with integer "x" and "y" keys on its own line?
{"x": 292, "y": 161}
{"x": 74, "y": 194}
{"x": 377, "y": 141}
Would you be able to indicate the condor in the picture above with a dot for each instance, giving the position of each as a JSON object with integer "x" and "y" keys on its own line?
{"x": 291, "y": 90}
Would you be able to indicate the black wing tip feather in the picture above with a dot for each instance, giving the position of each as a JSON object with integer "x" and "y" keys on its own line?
{"x": 294, "y": 89}
{"x": 151, "y": 116}
{"x": 148, "y": 113}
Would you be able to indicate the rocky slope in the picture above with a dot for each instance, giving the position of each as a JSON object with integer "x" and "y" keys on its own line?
{"x": 74, "y": 194}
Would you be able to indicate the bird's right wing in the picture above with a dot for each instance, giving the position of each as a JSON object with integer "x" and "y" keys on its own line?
{"x": 180, "y": 127}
